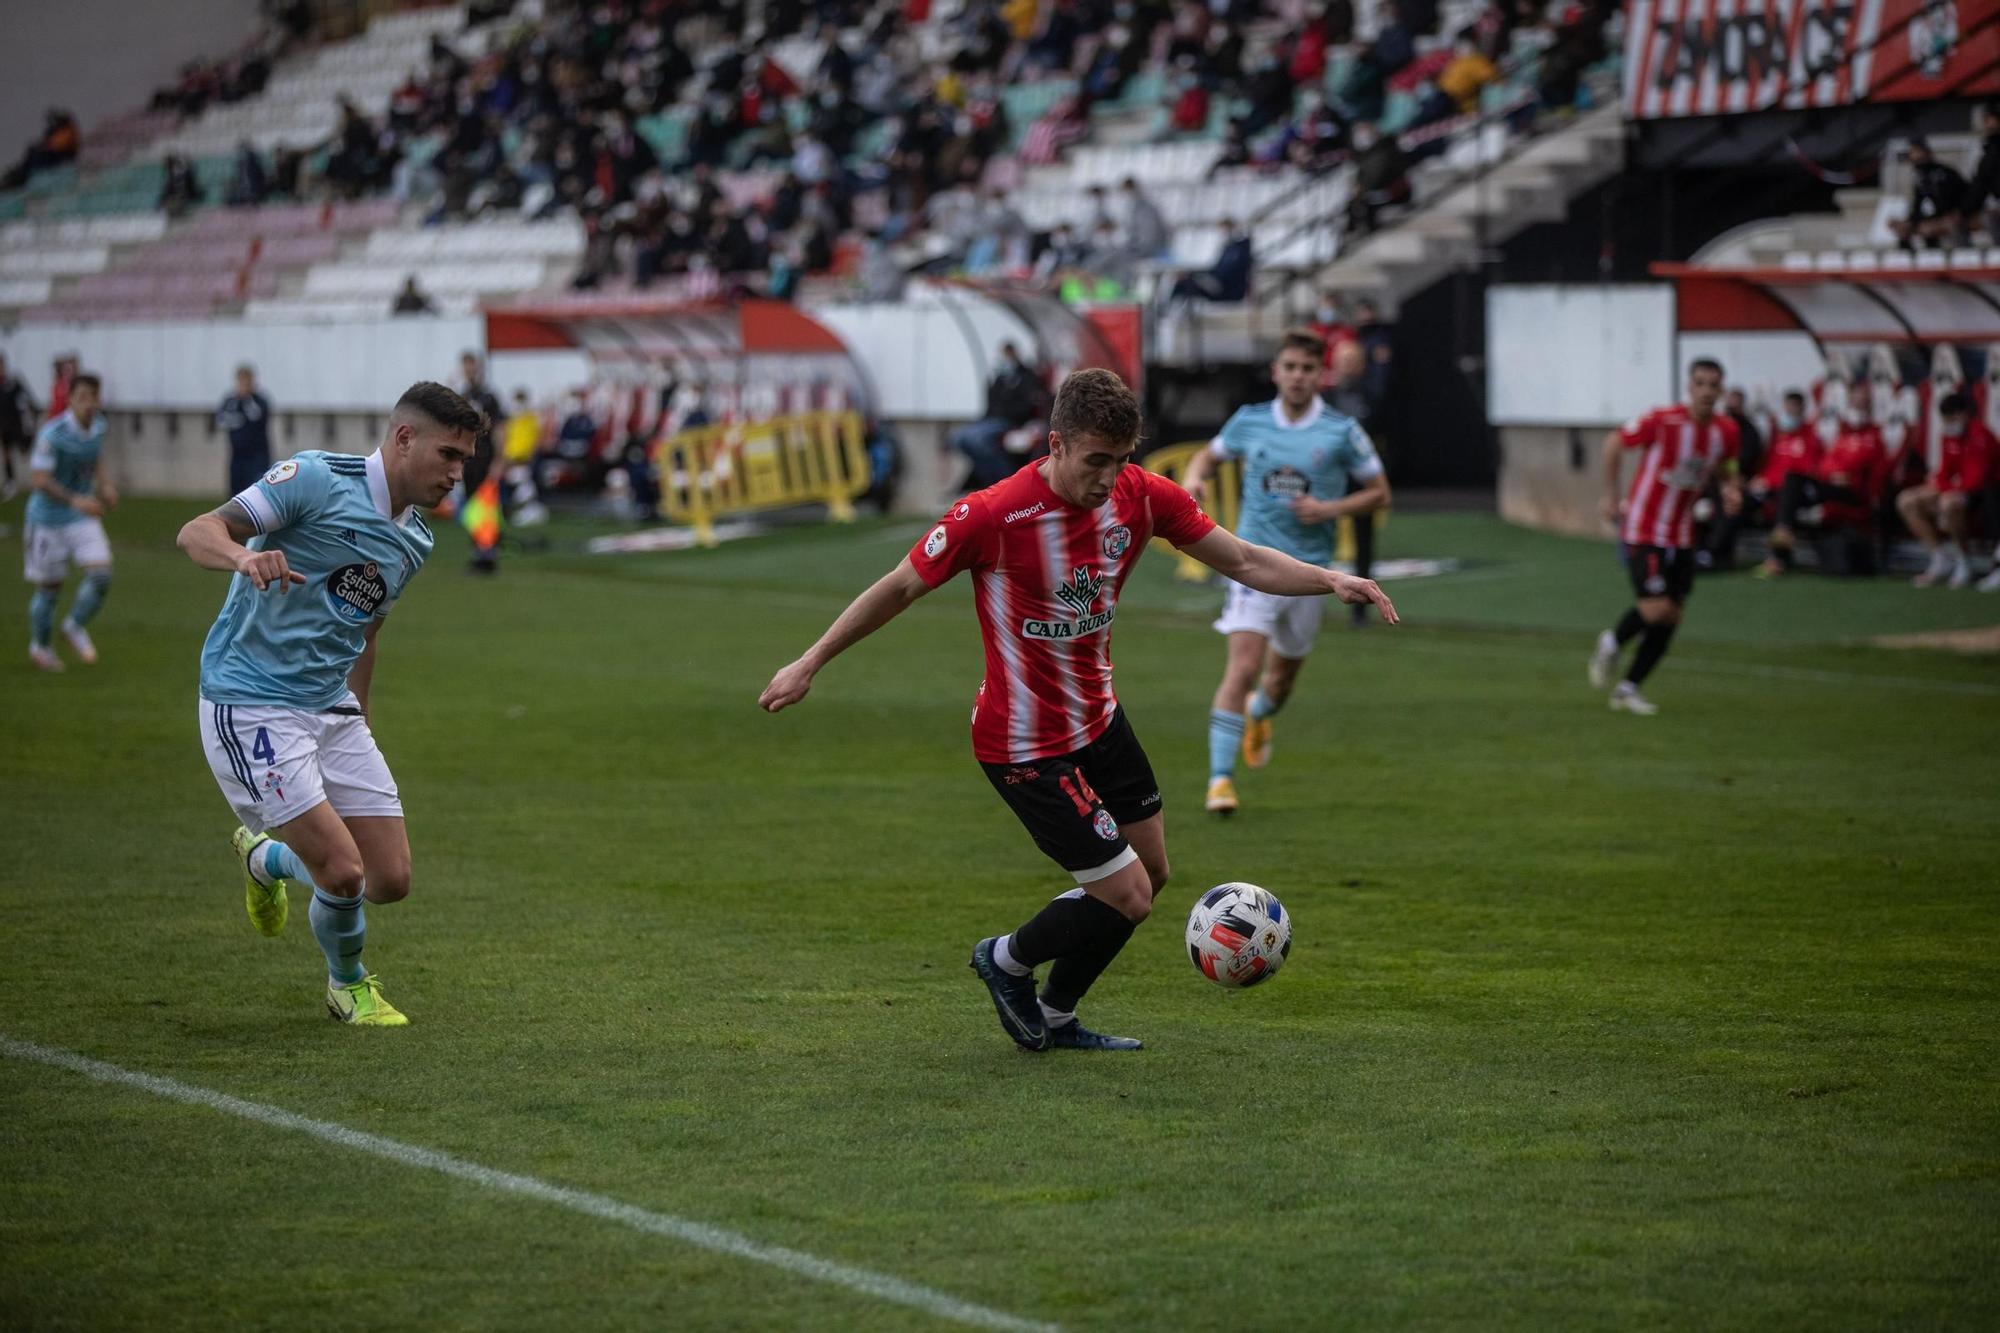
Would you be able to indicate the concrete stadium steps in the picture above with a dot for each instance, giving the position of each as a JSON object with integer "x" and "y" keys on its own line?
{"x": 1534, "y": 184}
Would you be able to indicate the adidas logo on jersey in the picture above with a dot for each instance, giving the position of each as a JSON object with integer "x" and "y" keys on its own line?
{"x": 350, "y": 536}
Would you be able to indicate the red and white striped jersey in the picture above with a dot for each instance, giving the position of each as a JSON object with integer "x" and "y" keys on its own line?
{"x": 1679, "y": 458}
{"x": 1045, "y": 579}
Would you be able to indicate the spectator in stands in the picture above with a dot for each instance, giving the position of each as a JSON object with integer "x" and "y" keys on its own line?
{"x": 1982, "y": 195}
{"x": 1064, "y": 254}
{"x": 411, "y": 300}
{"x": 1843, "y": 490}
{"x": 1066, "y": 123}
{"x": 247, "y": 178}
{"x": 1794, "y": 448}
{"x": 245, "y": 417}
{"x": 880, "y": 273}
{"x": 1381, "y": 177}
{"x": 1938, "y": 197}
{"x": 1228, "y": 279}
{"x": 1013, "y": 399}
{"x": 179, "y": 190}
{"x": 1147, "y": 235}
{"x": 59, "y": 143}
{"x": 1965, "y": 462}
{"x": 1186, "y": 103}
{"x": 20, "y": 418}
{"x": 1468, "y": 74}
{"x": 1235, "y": 151}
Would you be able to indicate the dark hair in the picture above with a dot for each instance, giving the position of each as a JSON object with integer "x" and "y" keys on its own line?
{"x": 83, "y": 377}
{"x": 1795, "y": 393}
{"x": 1095, "y": 402}
{"x": 1305, "y": 340}
{"x": 1954, "y": 404}
{"x": 444, "y": 406}
{"x": 1705, "y": 363}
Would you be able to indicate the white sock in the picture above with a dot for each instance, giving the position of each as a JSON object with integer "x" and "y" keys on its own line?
{"x": 1952, "y": 553}
{"x": 1003, "y": 958}
{"x": 1054, "y": 1018}
{"x": 258, "y": 870}
{"x": 1607, "y": 642}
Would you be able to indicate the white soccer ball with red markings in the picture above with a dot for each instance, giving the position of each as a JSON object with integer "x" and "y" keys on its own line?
{"x": 1239, "y": 934}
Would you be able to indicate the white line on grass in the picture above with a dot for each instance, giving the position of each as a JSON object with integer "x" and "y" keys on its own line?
{"x": 698, "y": 1234}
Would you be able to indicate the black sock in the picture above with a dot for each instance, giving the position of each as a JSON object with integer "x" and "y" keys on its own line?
{"x": 1651, "y": 649}
{"x": 1073, "y": 973}
{"x": 1068, "y": 925}
{"x": 1630, "y": 627}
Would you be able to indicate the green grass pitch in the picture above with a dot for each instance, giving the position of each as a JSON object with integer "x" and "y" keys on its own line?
{"x": 1591, "y": 1021}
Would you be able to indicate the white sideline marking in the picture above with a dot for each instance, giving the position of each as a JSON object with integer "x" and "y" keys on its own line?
{"x": 698, "y": 1234}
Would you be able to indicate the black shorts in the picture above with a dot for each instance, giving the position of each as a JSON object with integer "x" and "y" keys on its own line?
{"x": 1661, "y": 571}
{"x": 1074, "y": 804}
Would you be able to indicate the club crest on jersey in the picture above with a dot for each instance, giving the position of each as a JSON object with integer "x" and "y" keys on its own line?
{"x": 355, "y": 591}
{"x": 1117, "y": 541}
{"x": 282, "y": 473}
{"x": 961, "y": 511}
{"x": 1078, "y": 595}
{"x": 1106, "y": 826}
{"x": 934, "y": 543}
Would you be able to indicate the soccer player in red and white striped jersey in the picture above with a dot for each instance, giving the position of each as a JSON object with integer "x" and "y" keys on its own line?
{"x": 1049, "y": 550}
{"x": 1681, "y": 449}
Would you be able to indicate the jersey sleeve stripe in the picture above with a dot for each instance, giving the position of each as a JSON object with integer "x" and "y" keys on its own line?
{"x": 258, "y": 506}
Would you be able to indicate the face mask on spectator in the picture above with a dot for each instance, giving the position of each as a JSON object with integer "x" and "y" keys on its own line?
{"x": 1953, "y": 427}
{"x": 1787, "y": 422}
{"x": 1326, "y": 314}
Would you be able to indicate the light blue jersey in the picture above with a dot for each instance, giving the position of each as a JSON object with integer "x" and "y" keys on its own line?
{"x": 1283, "y": 460}
{"x": 69, "y": 453}
{"x": 329, "y": 514}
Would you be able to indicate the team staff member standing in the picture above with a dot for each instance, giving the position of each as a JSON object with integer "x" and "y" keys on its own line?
{"x": 245, "y": 416}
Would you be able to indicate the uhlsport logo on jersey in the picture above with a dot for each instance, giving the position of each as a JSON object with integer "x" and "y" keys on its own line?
{"x": 355, "y": 591}
{"x": 1078, "y": 594}
{"x": 284, "y": 472}
{"x": 1116, "y": 541}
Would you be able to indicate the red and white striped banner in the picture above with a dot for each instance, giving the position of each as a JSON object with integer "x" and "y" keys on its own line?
{"x": 1717, "y": 57}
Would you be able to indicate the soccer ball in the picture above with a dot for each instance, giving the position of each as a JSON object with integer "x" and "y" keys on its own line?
{"x": 1239, "y": 934}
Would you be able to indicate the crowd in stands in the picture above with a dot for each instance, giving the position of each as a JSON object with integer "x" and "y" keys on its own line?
{"x": 57, "y": 145}
{"x": 875, "y": 133}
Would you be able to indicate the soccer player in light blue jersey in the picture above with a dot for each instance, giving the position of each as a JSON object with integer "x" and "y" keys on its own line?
{"x": 321, "y": 547}
{"x": 65, "y": 527}
{"x": 1297, "y": 455}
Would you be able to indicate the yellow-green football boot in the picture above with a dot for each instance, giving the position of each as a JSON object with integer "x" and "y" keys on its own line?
{"x": 362, "y": 1005}
{"x": 265, "y": 903}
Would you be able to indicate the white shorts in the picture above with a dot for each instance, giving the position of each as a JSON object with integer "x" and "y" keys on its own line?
{"x": 1290, "y": 623}
{"x": 274, "y": 764}
{"x": 48, "y": 549}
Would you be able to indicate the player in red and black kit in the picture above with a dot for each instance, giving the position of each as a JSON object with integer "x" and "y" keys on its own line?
{"x": 1049, "y": 550}
{"x": 1681, "y": 448}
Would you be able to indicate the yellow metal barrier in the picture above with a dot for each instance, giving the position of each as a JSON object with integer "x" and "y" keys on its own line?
{"x": 1224, "y": 500}
{"x": 713, "y": 472}
{"x": 1224, "y": 494}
